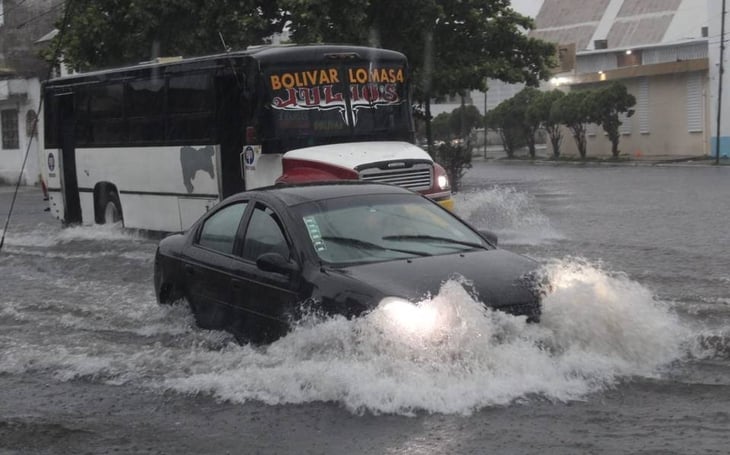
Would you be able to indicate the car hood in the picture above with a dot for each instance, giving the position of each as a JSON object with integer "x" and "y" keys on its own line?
{"x": 498, "y": 277}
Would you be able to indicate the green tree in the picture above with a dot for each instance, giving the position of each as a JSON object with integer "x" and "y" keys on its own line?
{"x": 606, "y": 104}
{"x": 521, "y": 102}
{"x": 104, "y": 33}
{"x": 441, "y": 127}
{"x": 573, "y": 110}
{"x": 507, "y": 119}
{"x": 539, "y": 111}
{"x": 463, "y": 119}
{"x": 456, "y": 124}
{"x": 455, "y": 157}
{"x": 453, "y": 46}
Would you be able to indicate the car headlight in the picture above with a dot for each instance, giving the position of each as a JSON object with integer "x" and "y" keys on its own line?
{"x": 410, "y": 317}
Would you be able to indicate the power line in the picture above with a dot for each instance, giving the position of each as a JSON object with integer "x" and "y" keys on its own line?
{"x": 41, "y": 15}
{"x": 17, "y": 5}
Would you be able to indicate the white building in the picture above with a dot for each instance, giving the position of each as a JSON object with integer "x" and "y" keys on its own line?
{"x": 22, "y": 23}
{"x": 666, "y": 52}
{"x": 658, "y": 49}
{"x": 19, "y": 103}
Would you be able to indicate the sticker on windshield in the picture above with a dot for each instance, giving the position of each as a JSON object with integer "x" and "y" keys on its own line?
{"x": 314, "y": 233}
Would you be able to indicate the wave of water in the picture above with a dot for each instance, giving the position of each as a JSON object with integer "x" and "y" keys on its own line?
{"x": 597, "y": 328}
{"x": 48, "y": 235}
{"x": 513, "y": 215}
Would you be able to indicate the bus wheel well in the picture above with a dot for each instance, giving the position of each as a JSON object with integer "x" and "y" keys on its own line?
{"x": 107, "y": 207}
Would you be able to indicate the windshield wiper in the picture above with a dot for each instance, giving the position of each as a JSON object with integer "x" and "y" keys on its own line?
{"x": 373, "y": 246}
{"x": 434, "y": 237}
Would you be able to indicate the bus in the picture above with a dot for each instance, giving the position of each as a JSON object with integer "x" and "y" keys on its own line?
{"x": 155, "y": 145}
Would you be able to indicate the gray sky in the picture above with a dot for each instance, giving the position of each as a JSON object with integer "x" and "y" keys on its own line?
{"x": 527, "y": 7}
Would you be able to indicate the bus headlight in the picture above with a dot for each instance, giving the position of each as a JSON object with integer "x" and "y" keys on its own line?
{"x": 442, "y": 178}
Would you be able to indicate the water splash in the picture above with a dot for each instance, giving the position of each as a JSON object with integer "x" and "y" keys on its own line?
{"x": 596, "y": 329}
{"x": 45, "y": 236}
{"x": 512, "y": 214}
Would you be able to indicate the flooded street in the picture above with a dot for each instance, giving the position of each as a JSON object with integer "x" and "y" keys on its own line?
{"x": 632, "y": 354}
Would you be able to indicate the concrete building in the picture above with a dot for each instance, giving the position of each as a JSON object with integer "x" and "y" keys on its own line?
{"x": 666, "y": 52}
{"x": 658, "y": 49}
{"x": 22, "y": 23}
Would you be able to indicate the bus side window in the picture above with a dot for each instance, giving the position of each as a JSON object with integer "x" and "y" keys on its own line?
{"x": 145, "y": 108}
{"x": 106, "y": 114}
{"x": 190, "y": 109}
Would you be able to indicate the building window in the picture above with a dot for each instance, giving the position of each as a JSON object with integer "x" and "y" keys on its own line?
{"x": 9, "y": 120}
{"x": 628, "y": 58}
{"x": 695, "y": 117}
{"x": 642, "y": 105}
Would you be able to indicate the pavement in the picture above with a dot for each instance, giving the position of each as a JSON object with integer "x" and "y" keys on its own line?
{"x": 496, "y": 153}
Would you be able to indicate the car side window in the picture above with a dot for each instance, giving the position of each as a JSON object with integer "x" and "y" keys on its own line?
{"x": 264, "y": 235}
{"x": 219, "y": 231}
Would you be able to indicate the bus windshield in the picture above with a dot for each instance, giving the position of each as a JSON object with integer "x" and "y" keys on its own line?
{"x": 346, "y": 101}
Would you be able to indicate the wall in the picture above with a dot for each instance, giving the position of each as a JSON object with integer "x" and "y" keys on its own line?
{"x": 23, "y": 23}
{"x": 660, "y": 126}
{"x": 12, "y": 160}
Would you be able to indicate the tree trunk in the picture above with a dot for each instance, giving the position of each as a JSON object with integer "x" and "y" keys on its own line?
{"x": 531, "y": 143}
{"x": 506, "y": 143}
{"x": 555, "y": 139}
{"x": 580, "y": 140}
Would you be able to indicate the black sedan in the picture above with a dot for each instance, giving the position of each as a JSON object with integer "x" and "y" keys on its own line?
{"x": 256, "y": 261}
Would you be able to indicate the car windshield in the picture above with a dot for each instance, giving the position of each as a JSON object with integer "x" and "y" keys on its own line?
{"x": 376, "y": 228}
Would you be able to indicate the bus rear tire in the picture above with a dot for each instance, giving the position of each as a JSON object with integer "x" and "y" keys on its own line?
{"x": 110, "y": 209}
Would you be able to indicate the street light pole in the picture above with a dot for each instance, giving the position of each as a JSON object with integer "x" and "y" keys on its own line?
{"x": 719, "y": 84}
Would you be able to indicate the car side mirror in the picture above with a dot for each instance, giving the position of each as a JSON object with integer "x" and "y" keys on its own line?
{"x": 489, "y": 236}
{"x": 275, "y": 262}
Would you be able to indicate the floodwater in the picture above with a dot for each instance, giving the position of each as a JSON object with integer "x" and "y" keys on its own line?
{"x": 632, "y": 354}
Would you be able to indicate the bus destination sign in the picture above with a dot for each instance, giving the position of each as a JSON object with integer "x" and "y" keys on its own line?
{"x": 322, "y": 89}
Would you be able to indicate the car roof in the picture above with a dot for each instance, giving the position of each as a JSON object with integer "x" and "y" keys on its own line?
{"x": 293, "y": 194}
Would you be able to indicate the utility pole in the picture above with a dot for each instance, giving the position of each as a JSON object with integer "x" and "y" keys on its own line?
{"x": 485, "y": 121}
{"x": 719, "y": 84}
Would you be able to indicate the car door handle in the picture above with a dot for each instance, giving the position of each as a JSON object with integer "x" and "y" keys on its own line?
{"x": 236, "y": 284}
{"x": 189, "y": 270}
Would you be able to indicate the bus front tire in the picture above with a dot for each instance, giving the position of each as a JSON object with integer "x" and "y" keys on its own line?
{"x": 111, "y": 209}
